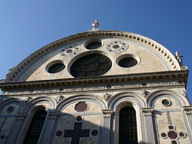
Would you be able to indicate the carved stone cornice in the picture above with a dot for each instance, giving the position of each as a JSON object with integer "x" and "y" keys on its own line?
{"x": 180, "y": 78}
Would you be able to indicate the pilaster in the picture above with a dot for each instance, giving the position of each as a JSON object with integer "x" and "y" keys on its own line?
{"x": 106, "y": 126}
{"x": 13, "y": 136}
{"x": 48, "y": 128}
{"x": 188, "y": 112}
{"x": 150, "y": 135}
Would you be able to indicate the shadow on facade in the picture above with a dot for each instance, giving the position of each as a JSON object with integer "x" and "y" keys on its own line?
{"x": 16, "y": 117}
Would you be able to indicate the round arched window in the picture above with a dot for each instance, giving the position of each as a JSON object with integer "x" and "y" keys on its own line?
{"x": 90, "y": 65}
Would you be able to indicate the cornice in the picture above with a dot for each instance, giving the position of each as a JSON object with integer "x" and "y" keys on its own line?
{"x": 181, "y": 76}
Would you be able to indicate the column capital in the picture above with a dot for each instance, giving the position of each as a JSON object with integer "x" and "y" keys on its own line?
{"x": 107, "y": 111}
{"x": 147, "y": 111}
{"x": 187, "y": 109}
{"x": 53, "y": 114}
{"x": 21, "y": 116}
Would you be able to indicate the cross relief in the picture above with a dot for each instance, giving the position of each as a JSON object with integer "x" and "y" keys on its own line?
{"x": 76, "y": 133}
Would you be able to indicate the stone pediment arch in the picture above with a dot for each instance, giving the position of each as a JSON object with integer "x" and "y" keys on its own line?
{"x": 152, "y": 52}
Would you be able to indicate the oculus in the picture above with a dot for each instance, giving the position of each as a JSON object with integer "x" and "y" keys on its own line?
{"x": 127, "y": 61}
{"x": 10, "y": 109}
{"x": 93, "y": 44}
{"x": 166, "y": 102}
{"x": 55, "y": 67}
{"x": 91, "y": 65}
{"x": 117, "y": 47}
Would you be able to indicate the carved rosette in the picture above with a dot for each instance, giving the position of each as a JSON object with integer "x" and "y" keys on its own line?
{"x": 28, "y": 99}
{"x": 59, "y": 98}
{"x": 70, "y": 51}
{"x": 107, "y": 96}
{"x": 144, "y": 93}
{"x": 117, "y": 47}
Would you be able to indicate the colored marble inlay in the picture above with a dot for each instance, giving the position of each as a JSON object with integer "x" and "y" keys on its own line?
{"x": 81, "y": 106}
{"x": 164, "y": 135}
{"x": 79, "y": 118}
{"x": 173, "y": 135}
{"x": 174, "y": 142}
{"x": 117, "y": 47}
{"x": 69, "y": 51}
{"x": 94, "y": 132}
{"x": 59, "y": 133}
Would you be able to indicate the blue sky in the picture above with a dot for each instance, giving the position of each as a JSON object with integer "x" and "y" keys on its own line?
{"x": 26, "y": 26}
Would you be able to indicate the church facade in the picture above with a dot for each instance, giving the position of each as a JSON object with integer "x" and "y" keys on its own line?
{"x": 97, "y": 87}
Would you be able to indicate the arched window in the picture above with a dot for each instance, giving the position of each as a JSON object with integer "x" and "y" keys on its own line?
{"x": 35, "y": 127}
{"x": 127, "y": 126}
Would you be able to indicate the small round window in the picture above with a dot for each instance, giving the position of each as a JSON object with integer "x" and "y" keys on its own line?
{"x": 127, "y": 61}
{"x": 93, "y": 45}
{"x": 166, "y": 102}
{"x": 56, "y": 67}
{"x": 10, "y": 109}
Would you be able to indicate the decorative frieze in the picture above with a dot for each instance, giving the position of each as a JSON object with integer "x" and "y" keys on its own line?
{"x": 97, "y": 87}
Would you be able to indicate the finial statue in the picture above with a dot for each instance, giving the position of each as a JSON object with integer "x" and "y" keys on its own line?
{"x": 180, "y": 60}
{"x": 95, "y": 25}
{"x": 179, "y": 57}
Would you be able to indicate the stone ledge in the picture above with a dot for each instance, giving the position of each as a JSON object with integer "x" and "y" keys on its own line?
{"x": 181, "y": 76}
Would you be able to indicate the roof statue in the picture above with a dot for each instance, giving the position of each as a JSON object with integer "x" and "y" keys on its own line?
{"x": 180, "y": 60}
{"x": 95, "y": 25}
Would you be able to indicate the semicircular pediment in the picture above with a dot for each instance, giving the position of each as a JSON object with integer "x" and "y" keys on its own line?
{"x": 95, "y": 54}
